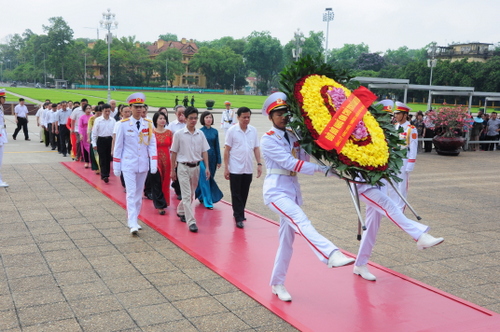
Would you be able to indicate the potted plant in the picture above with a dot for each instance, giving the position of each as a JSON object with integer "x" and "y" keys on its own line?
{"x": 210, "y": 104}
{"x": 451, "y": 122}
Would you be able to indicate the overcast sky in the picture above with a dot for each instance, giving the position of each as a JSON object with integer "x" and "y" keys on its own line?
{"x": 382, "y": 25}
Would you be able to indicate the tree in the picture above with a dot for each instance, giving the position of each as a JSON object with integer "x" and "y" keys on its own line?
{"x": 370, "y": 61}
{"x": 311, "y": 45}
{"x": 172, "y": 59}
{"x": 60, "y": 38}
{"x": 220, "y": 66}
{"x": 168, "y": 37}
{"x": 264, "y": 55}
{"x": 346, "y": 56}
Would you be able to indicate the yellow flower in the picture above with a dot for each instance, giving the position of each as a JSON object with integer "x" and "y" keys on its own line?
{"x": 374, "y": 154}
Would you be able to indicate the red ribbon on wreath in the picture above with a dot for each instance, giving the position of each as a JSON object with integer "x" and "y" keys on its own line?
{"x": 345, "y": 119}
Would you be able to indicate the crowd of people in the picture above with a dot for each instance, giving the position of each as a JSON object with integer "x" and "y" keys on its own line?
{"x": 152, "y": 155}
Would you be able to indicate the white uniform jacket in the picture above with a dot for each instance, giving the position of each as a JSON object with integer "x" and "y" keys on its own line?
{"x": 410, "y": 136}
{"x": 135, "y": 149}
{"x": 286, "y": 158}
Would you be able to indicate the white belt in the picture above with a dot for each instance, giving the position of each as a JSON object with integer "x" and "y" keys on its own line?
{"x": 281, "y": 172}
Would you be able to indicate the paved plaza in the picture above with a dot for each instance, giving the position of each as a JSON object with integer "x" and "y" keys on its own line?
{"x": 68, "y": 262}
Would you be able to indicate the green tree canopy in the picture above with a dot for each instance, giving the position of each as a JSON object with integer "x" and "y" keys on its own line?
{"x": 264, "y": 55}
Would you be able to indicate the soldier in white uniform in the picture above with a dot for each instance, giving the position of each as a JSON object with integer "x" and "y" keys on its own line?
{"x": 3, "y": 134}
{"x": 284, "y": 159}
{"x": 134, "y": 154}
{"x": 379, "y": 204}
{"x": 228, "y": 117}
{"x": 410, "y": 136}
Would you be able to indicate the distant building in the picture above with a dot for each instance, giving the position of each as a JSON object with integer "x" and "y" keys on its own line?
{"x": 474, "y": 52}
{"x": 189, "y": 78}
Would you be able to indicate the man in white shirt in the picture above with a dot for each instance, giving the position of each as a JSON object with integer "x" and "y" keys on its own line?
{"x": 51, "y": 121}
{"x": 177, "y": 124}
{"x": 21, "y": 117}
{"x": 61, "y": 128}
{"x": 3, "y": 134}
{"x": 241, "y": 143}
{"x": 102, "y": 140}
{"x": 189, "y": 147}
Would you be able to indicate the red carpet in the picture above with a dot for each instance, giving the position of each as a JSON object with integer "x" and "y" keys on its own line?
{"x": 323, "y": 299}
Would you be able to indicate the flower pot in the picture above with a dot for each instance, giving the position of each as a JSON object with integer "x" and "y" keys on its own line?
{"x": 448, "y": 146}
{"x": 210, "y": 104}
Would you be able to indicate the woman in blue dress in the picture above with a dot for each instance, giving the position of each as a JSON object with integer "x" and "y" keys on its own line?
{"x": 208, "y": 192}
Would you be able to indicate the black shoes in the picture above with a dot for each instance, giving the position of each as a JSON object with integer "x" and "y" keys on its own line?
{"x": 179, "y": 197}
{"x": 106, "y": 179}
{"x": 193, "y": 228}
{"x": 239, "y": 224}
{"x": 182, "y": 217}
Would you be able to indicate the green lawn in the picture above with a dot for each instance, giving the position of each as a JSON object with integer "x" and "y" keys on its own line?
{"x": 156, "y": 99}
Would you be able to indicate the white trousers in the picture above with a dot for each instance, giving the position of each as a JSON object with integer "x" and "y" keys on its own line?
{"x": 293, "y": 219}
{"x": 402, "y": 186}
{"x": 188, "y": 181}
{"x": 378, "y": 204}
{"x": 134, "y": 182}
{"x": 1, "y": 160}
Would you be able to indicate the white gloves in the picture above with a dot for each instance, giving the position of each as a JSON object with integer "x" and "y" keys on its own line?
{"x": 117, "y": 172}
{"x": 327, "y": 170}
{"x": 154, "y": 170}
{"x": 409, "y": 167}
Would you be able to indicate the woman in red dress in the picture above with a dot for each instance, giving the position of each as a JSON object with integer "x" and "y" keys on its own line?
{"x": 161, "y": 180}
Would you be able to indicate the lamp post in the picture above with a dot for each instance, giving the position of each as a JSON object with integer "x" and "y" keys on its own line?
{"x": 166, "y": 74}
{"x": 44, "y": 71}
{"x": 299, "y": 41}
{"x": 327, "y": 17}
{"x": 85, "y": 68}
{"x": 431, "y": 63}
{"x": 108, "y": 23}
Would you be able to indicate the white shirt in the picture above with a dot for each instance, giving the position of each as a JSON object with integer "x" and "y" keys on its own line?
{"x": 75, "y": 115}
{"x": 102, "y": 128}
{"x": 175, "y": 126}
{"x": 21, "y": 110}
{"x": 242, "y": 145}
{"x": 51, "y": 116}
{"x": 189, "y": 146}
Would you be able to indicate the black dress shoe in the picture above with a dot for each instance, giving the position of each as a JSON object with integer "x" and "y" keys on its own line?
{"x": 149, "y": 196}
{"x": 182, "y": 217}
{"x": 13, "y": 137}
{"x": 106, "y": 179}
{"x": 239, "y": 224}
{"x": 162, "y": 212}
{"x": 179, "y": 197}
{"x": 193, "y": 228}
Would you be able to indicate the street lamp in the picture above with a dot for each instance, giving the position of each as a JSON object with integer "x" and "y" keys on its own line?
{"x": 85, "y": 68}
{"x": 432, "y": 62}
{"x": 166, "y": 74}
{"x": 108, "y": 23}
{"x": 327, "y": 17}
{"x": 299, "y": 41}
{"x": 44, "y": 71}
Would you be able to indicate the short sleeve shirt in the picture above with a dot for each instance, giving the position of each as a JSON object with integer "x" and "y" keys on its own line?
{"x": 242, "y": 145}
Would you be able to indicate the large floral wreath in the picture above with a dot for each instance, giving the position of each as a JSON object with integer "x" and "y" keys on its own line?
{"x": 315, "y": 93}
